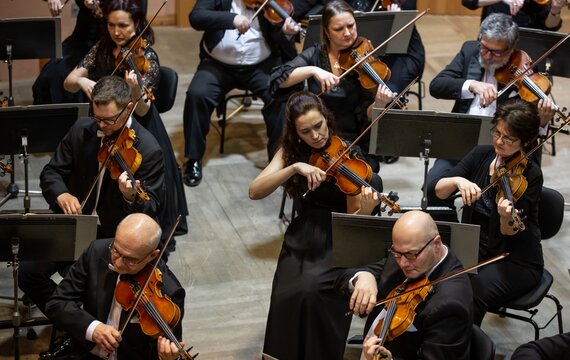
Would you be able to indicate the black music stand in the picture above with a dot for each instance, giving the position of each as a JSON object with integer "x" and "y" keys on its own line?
{"x": 536, "y": 42}
{"x": 375, "y": 26}
{"x": 428, "y": 134}
{"x": 34, "y": 129}
{"x": 359, "y": 240}
{"x": 48, "y": 237}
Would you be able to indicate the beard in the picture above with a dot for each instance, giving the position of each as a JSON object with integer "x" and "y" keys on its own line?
{"x": 491, "y": 66}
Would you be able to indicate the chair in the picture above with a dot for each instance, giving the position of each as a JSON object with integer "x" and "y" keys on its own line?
{"x": 482, "y": 347}
{"x": 420, "y": 93}
{"x": 221, "y": 111}
{"x": 551, "y": 214}
{"x": 166, "y": 92}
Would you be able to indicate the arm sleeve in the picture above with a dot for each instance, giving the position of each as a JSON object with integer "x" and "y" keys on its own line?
{"x": 449, "y": 82}
{"x": 206, "y": 16}
{"x": 281, "y": 73}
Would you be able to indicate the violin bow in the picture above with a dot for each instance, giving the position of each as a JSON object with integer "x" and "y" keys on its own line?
{"x": 533, "y": 64}
{"x": 364, "y": 58}
{"x": 443, "y": 278}
{"x": 137, "y": 38}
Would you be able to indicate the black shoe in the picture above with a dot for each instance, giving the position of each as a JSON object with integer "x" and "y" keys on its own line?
{"x": 192, "y": 173}
{"x": 61, "y": 351}
{"x": 391, "y": 159}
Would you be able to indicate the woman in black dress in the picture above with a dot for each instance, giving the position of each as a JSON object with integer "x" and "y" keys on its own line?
{"x": 124, "y": 20}
{"x": 516, "y": 127}
{"x": 306, "y": 317}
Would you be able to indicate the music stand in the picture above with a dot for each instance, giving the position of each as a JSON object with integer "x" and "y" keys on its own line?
{"x": 359, "y": 240}
{"x": 48, "y": 237}
{"x": 536, "y": 42}
{"x": 34, "y": 129}
{"x": 375, "y": 26}
{"x": 428, "y": 134}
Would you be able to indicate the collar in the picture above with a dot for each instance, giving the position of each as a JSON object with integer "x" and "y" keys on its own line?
{"x": 446, "y": 251}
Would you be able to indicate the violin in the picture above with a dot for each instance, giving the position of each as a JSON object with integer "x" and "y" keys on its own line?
{"x": 275, "y": 11}
{"x": 6, "y": 168}
{"x": 350, "y": 173}
{"x": 371, "y": 72}
{"x": 512, "y": 185}
{"x": 531, "y": 86}
{"x": 133, "y": 58}
{"x": 120, "y": 155}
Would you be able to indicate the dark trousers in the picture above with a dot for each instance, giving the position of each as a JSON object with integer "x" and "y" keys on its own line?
{"x": 555, "y": 347}
{"x": 498, "y": 283}
{"x": 212, "y": 81}
{"x": 35, "y": 280}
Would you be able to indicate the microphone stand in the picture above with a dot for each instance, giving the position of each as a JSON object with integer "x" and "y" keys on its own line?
{"x": 16, "y": 318}
{"x": 425, "y": 157}
{"x": 26, "y": 185}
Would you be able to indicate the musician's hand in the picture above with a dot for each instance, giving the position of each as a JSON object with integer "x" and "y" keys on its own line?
{"x": 394, "y": 7}
{"x": 514, "y": 5}
{"x": 314, "y": 175}
{"x": 546, "y": 111}
{"x": 504, "y": 208}
{"x": 126, "y": 186}
{"x": 470, "y": 192}
{"x": 371, "y": 345}
{"x": 69, "y": 204}
{"x": 487, "y": 92}
{"x": 368, "y": 200}
{"x": 327, "y": 80}
{"x": 107, "y": 337}
{"x": 55, "y": 7}
{"x": 241, "y": 23}
{"x": 557, "y": 5}
{"x": 290, "y": 27}
{"x": 363, "y": 297}
{"x": 383, "y": 96}
{"x": 86, "y": 86}
{"x": 167, "y": 350}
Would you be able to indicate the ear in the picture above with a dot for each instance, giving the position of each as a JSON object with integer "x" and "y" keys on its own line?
{"x": 153, "y": 255}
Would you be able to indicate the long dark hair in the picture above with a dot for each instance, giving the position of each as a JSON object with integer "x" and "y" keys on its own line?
{"x": 521, "y": 117}
{"x": 295, "y": 149}
{"x": 104, "y": 57}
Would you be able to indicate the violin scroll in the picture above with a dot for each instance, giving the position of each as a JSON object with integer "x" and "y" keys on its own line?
{"x": 6, "y": 168}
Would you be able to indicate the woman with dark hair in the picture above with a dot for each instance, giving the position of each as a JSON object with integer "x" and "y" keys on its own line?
{"x": 516, "y": 128}
{"x": 124, "y": 21}
{"x": 319, "y": 65}
{"x": 306, "y": 317}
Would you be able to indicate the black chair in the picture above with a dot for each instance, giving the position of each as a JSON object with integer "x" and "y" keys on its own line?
{"x": 221, "y": 111}
{"x": 420, "y": 93}
{"x": 482, "y": 347}
{"x": 166, "y": 92}
{"x": 551, "y": 214}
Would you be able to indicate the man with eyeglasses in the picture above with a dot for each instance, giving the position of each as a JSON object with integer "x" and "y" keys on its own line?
{"x": 442, "y": 325}
{"x": 66, "y": 179}
{"x": 84, "y": 305}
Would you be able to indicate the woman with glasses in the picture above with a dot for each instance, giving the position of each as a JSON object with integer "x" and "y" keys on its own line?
{"x": 516, "y": 124}
{"x": 306, "y": 318}
{"x": 124, "y": 21}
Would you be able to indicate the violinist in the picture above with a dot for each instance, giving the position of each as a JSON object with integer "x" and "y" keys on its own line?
{"x": 516, "y": 125}
{"x": 306, "y": 319}
{"x": 236, "y": 51}
{"x": 319, "y": 65}
{"x": 65, "y": 180}
{"x": 124, "y": 21}
{"x": 84, "y": 304}
{"x": 470, "y": 79}
{"x": 441, "y": 328}
{"x": 535, "y": 14}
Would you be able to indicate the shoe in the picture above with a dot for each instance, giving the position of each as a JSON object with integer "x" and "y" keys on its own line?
{"x": 61, "y": 351}
{"x": 391, "y": 159}
{"x": 192, "y": 173}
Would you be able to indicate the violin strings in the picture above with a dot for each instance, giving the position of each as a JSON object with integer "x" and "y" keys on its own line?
{"x": 374, "y": 75}
{"x": 119, "y": 159}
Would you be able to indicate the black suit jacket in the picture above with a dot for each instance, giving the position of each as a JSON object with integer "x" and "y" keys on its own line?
{"x": 86, "y": 293}
{"x": 214, "y": 18}
{"x": 74, "y": 166}
{"x": 444, "y": 320}
{"x": 465, "y": 66}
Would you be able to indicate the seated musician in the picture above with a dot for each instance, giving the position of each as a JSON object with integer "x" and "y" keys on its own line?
{"x": 66, "y": 179}
{"x": 516, "y": 125}
{"x": 470, "y": 79}
{"x": 319, "y": 65}
{"x": 442, "y": 325}
{"x": 543, "y": 15}
{"x": 84, "y": 304}
{"x": 235, "y": 52}
{"x": 555, "y": 347}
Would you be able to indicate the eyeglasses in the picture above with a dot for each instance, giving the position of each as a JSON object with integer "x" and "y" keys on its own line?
{"x": 126, "y": 259}
{"x": 495, "y": 53}
{"x": 506, "y": 139}
{"x": 410, "y": 255}
{"x": 108, "y": 121}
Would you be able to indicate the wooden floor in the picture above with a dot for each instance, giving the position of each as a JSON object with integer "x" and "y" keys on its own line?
{"x": 227, "y": 260}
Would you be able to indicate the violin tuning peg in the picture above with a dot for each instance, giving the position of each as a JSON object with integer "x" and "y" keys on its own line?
{"x": 393, "y": 195}
{"x": 390, "y": 212}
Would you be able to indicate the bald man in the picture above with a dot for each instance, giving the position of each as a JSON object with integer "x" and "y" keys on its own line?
{"x": 442, "y": 326}
{"x": 84, "y": 304}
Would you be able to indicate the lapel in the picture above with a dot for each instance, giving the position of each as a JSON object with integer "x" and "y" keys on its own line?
{"x": 474, "y": 69}
{"x": 106, "y": 281}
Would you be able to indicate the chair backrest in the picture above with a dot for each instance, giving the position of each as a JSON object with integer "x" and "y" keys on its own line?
{"x": 482, "y": 347}
{"x": 166, "y": 93}
{"x": 550, "y": 212}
